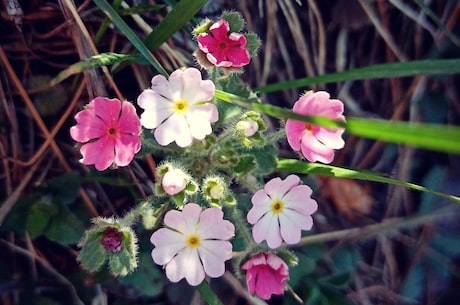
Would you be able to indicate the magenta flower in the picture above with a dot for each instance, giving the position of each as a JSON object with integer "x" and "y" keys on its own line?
{"x": 281, "y": 210}
{"x": 222, "y": 48}
{"x": 194, "y": 243}
{"x": 110, "y": 130}
{"x": 316, "y": 143}
{"x": 266, "y": 275}
{"x": 179, "y": 109}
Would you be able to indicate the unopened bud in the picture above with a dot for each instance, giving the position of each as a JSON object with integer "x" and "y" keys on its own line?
{"x": 174, "y": 181}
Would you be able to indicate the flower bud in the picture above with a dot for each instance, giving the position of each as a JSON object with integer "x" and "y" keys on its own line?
{"x": 174, "y": 181}
{"x": 112, "y": 239}
{"x": 247, "y": 127}
{"x": 109, "y": 241}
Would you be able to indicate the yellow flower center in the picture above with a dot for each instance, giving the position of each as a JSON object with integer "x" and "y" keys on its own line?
{"x": 277, "y": 206}
{"x": 193, "y": 241}
{"x": 180, "y": 106}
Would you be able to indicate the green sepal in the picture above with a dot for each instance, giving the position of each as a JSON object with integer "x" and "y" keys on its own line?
{"x": 121, "y": 264}
{"x": 92, "y": 254}
{"x": 234, "y": 19}
{"x": 253, "y": 43}
{"x": 179, "y": 199}
{"x": 203, "y": 27}
{"x": 125, "y": 261}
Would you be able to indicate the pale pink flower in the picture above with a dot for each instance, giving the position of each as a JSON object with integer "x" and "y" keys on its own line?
{"x": 266, "y": 275}
{"x": 317, "y": 143}
{"x": 110, "y": 130}
{"x": 281, "y": 210}
{"x": 222, "y": 48}
{"x": 179, "y": 109}
{"x": 174, "y": 181}
{"x": 194, "y": 243}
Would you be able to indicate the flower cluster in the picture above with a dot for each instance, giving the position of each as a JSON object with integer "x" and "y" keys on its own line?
{"x": 208, "y": 148}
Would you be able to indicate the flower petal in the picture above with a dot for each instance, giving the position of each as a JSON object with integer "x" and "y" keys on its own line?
{"x": 167, "y": 244}
{"x": 175, "y": 128}
{"x": 101, "y": 153}
{"x": 160, "y": 85}
{"x": 213, "y": 254}
{"x": 277, "y": 188}
{"x": 126, "y": 147}
{"x": 195, "y": 90}
{"x": 107, "y": 109}
{"x": 186, "y": 264}
{"x": 294, "y": 133}
{"x": 184, "y": 221}
{"x": 213, "y": 226}
{"x": 199, "y": 119}
{"x": 267, "y": 228}
{"x": 314, "y": 150}
{"x": 330, "y": 137}
{"x": 157, "y": 108}
{"x": 298, "y": 199}
{"x": 89, "y": 126}
{"x": 220, "y": 29}
{"x": 129, "y": 123}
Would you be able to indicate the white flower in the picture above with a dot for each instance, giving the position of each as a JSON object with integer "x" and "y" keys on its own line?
{"x": 281, "y": 210}
{"x": 179, "y": 109}
{"x": 194, "y": 243}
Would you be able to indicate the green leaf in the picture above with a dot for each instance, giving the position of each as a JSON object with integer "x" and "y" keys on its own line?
{"x": 64, "y": 188}
{"x": 181, "y": 13}
{"x": 100, "y": 60}
{"x": 40, "y": 216}
{"x": 129, "y": 33}
{"x": 245, "y": 164}
{"x": 296, "y": 166}
{"x": 399, "y": 69}
{"x": 50, "y": 217}
{"x": 147, "y": 279}
{"x": 336, "y": 280}
{"x": 208, "y": 294}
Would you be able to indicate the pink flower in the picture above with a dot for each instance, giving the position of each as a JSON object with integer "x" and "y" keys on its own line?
{"x": 281, "y": 210}
{"x": 222, "y": 48}
{"x": 110, "y": 130}
{"x": 266, "y": 275}
{"x": 179, "y": 109}
{"x": 194, "y": 243}
{"x": 317, "y": 143}
{"x": 174, "y": 181}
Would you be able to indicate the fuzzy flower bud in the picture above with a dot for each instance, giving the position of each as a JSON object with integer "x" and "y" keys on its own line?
{"x": 174, "y": 181}
{"x": 112, "y": 239}
{"x": 216, "y": 192}
{"x": 247, "y": 127}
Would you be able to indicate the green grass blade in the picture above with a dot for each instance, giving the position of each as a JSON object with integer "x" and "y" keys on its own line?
{"x": 103, "y": 59}
{"x": 175, "y": 20}
{"x": 399, "y": 69}
{"x": 132, "y": 37}
{"x": 300, "y": 167}
{"x": 208, "y": 294}
{"x": 429, "y": 136}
